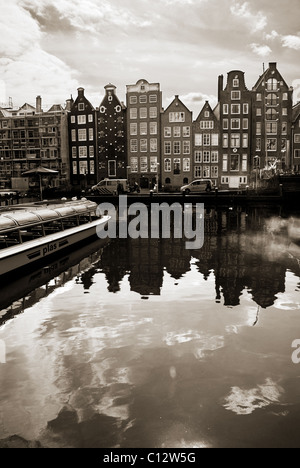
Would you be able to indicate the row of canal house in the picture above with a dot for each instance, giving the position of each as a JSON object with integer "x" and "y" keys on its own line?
{"x": 247, "y": 132}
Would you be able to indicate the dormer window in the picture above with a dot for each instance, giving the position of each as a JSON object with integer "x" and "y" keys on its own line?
{"x": 236, "y": 83}
{"x": 81, "y": 107}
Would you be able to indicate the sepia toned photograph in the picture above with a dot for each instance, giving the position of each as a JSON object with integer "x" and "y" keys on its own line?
{"x": 149, "y": 226}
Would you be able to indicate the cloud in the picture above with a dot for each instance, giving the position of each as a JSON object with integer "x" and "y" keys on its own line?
{"x": 261, "y": 50}
{"x": 273, "y": 35}
{"x": 255, "y": 21}
{"x": 292, "y": 42}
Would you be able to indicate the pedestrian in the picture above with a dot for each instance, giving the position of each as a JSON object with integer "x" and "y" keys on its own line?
{"x": 119, "y": 188}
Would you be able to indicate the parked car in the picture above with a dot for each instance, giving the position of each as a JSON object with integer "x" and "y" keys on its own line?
{"x": 111, "y": 187}
{"x": 198, "y": 186}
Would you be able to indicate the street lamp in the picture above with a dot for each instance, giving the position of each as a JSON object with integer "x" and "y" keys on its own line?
{"x": 157, "y": 178}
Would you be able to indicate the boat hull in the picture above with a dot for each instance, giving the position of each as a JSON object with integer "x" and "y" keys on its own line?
{"x": 14, "y": 258}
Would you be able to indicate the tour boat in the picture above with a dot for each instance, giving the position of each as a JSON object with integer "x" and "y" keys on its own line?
{"x": 34, "y": 232}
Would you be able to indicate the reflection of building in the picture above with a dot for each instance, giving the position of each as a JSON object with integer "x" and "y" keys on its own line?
{"x": 144, "y": 102}
{"x": 82, "y": 134}
{"x": 112, "y": 136}
{"x": 176, "y": 122}
{"x": 272, "y": 116}
{"x": 30, "y": 137}
{"x": 235, "y": 103}
{"x": 206, "y": 152}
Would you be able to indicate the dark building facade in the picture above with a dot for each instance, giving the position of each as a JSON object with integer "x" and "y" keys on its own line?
{"x": 235, "y": 104}
{"x": 296, "y": 138}
{"x": 176, "y": 130}
{"x": 206, "y": 146}
{"x": 83, "y": 142}
{"x": 272, "y": 120}
{"x": 112, "y": 136}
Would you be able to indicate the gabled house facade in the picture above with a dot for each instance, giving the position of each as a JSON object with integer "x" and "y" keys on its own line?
{"x": 206, "y": 146}
{"x": 111, "y": 129}
{"x": 296, "y": 138}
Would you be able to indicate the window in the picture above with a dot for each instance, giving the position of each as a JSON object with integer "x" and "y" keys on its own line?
{"x": 92, "y": 167}
{"x": 153, "y": 128}
{"x": 284, "y": 128}
{"x": 91, "y": 118}
{"x": 207, "y": 125}
{"x": 134, "y": 165}
{"x": 225, "y": 124}
{"x": 143, "y": 112}
{"x": 234, "y": 162}
{"x": 225, "y": 140}
{"x": 144, "y": 164}
{"x": 168, "y": 180}
{"x": 245, "y": 109}
{"x": 186, "y": 132}
{"x": 235, "y": 95}
{"x": 82, "y": 134}
{"x": 177, "y": 166}
{"x": 243, "y": 180}
{"x": 198, "y": 157}
{"x": 73, "y": 119}
{"x": 133, "y": 100}
{"x": 153, "y": 112}
{"x": 297, "y": 138}
{"x": 284, "y": 111}
{"x": 168, "y": 132}
{"x": 214, "y": 172}
{"x": 75, "y": 170}
{"x": 144, "y": 145}
{"x": 177, "y": 147}
{"x": 83, "y": 151}
{"x": 206, "y": 157}
{"x": 297, "y": 153}
{"x": 271, "y": 114}
{"x": 206, "y": 139}
{"x": 272, "y": 128}
{"x": 258, "y": 144}
{"x": 177, "y": 132}
{"x": 235, "y": 108}
{"x": 259, "y": 97}
{"x": 186, "y": 165}
{"x": 272, "y": 84}
{"x": 271, "y": 144}
{"x": 245, "y": 140}
{"x": 236, "y": 83}
{"x": 225, "y": 163}
{"x": 133, "y": 113}
{"x": 143, "y": 99}
{"x": 153, "y": 145}
{"x": 186, "y": 147}
{"x": 198, "y": 172}
{"x": 167, "y": 165}
{"x": 133, "y": 146}
{"x": 153, "y": 98}
{"x": 225, "y": 180}
{"x": 283, "y": 145}
{"x": 258, "y": 128}
{"x": 81, "y": 119}
{"x": 153, "y": 164}
{"x": 285, "y": 96}
{"x": 73, "y": 135}
{"x": 74, "y": 152}
{"x": 91, "y": 134}
{"x": 235, "y": 124}
{"x": 177, "y": 117}
{"x": 272, "y": 99}
{"x": 259, "y": 112}
{"x": 92, "y": 152}
{"x": 198, "y": 139}
{"x": 133, "y": 129}
{"x": 143, "y": 128}
{"x": 225, "y": 109}
{"x": 245, "y": 124}
{"x": 81, "y": 107}
{"x": 112, "y": 168}
{"x": 167, "y": 147}
{"x": 235, "y": 140}
{"x": 215, "y": 139}
{"x": 206, "y": 172}
{"x": 206, "y": 114}
{"x": 214, "y": 157}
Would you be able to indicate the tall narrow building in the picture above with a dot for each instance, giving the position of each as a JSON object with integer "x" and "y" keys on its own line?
{"x": 296, "y": 138}
{"x": 144, "y": 102}
{"x": 235, "y": 118}
{"x": 112, "y": 136}
{"x": 83, "y": 146}
{"x": 272, "y": 118}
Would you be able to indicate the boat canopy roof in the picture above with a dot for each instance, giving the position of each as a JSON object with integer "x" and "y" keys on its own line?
{"x": 35, "y": 215}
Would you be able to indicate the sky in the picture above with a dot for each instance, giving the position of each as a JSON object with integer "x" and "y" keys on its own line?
{"x": 52, "y": 47}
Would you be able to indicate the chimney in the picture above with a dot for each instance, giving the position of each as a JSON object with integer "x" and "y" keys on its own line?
{"x": 80, "y": 92}
{"x": 69, "y": 104}
{"x": 38, "y": 105}
{"x": 220, "y": 86}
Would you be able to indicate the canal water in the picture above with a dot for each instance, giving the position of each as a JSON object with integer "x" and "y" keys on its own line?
{"x": 142, "y": 343}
